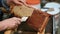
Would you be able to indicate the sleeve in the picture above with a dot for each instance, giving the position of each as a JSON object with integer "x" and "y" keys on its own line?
{"x": 0, "y": 3}
{"x": 4, "y": 4}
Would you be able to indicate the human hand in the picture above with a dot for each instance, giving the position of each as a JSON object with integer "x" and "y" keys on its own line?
{"x": 10, "y": 23}
{"x": 16, "y": 1}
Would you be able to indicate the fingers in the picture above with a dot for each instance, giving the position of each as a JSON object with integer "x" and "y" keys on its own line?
{"x": 18, "y": 20}
{"x": 22, "y": 0}
{"x": 13, "y": 22}
{"x": 13, "y": 26}
{"x": 17, "y": 2}
{"x": 15, "y": 18}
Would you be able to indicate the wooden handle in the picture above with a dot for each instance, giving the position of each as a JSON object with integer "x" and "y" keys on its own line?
{"x": 9, "y": 32}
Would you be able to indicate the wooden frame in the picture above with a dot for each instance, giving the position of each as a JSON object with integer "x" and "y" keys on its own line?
{"x": 35, "y": 12}
{"x": 38, "y": 20}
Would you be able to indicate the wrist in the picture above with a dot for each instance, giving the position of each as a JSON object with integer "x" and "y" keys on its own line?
{"x": 2, "y": 26}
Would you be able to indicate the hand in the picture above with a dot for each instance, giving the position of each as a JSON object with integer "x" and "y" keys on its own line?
{"x": 16, "y": 1}
{"x": 10, "y": 23}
